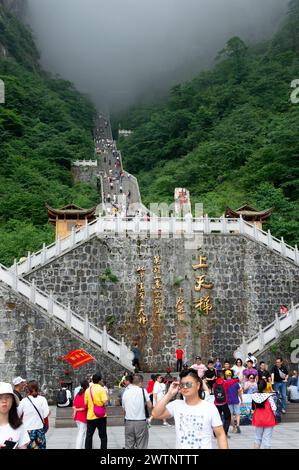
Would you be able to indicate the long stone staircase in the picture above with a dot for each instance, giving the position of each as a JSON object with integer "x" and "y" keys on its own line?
{"x": 78, "y": 326}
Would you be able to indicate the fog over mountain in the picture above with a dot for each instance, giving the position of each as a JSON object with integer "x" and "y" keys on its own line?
{"x": 122, "y": 51}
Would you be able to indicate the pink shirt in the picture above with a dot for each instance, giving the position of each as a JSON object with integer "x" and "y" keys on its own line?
{"x": 79, "y": 403}
{"x": 201, "y": 368}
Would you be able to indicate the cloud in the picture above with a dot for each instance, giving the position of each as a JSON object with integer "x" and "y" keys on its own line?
{"x": 118, "y": 51}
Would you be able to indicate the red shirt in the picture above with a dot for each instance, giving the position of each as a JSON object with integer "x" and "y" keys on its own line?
{"x": 150, "y": 386}
{"x": 226, "y": 384}
{"x": 179, "y": 353}
{"x": 79, "y": 403}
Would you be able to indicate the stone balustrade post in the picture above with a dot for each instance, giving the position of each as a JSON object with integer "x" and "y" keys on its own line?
{"x": 44, "y": 253}
{"x": 283, "y": 247}
{"x": 86, "y": 328}
{"x": 73, "y": 236}
{"x": 15, "y": 275}
{"x": 277, "y": 326}
{"x": 123, "y": 350}
{"x": 100, "y": 225}
{"x": 255, "y": 232}
{"x": 86, "y": 230}
{"x": 50, "y": 303}
{"x": 206, "y": 224}
{"x": 244, "y": 348}
{"x": 224, "y": 225}
{"x": 33, "y": 291}
{"x": 58, "y": 246}
{"x": 105, "y": 339}
{"x": 68, "y": 319}
{"x": 293, "y": 314}
{"x": 270, "y": 239}
{"x": 241, "y": 225}
{"x": 261, "y": 339}
{"x": 29, "y": 261}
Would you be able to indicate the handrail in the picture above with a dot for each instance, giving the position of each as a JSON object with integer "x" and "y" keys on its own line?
{"x": 55, "y": 308}
{"x": 257, "y": 343}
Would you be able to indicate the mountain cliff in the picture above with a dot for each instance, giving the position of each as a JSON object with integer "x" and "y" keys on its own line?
{"x": 44, "y": 125}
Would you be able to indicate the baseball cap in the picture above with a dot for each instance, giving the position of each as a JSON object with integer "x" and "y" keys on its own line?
{"x": 18, "y": 380}
{"x": 228, "y": 372}
{"x": 7, "y": 388}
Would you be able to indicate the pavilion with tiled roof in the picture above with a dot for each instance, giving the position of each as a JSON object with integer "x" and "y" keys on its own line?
{"x": 250, "y": 214}
{"x": 68, "y": 217}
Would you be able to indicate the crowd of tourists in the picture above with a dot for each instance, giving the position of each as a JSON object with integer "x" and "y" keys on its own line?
{"x": 201, "y": 400}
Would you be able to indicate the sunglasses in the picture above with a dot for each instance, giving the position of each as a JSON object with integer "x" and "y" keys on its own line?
{"x": 186, "y": 385}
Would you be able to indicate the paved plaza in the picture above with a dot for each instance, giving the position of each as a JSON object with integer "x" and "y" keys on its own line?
{"x": 285, "y": 436}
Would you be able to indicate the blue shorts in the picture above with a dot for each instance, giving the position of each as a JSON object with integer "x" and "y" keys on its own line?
{"x": 234, "y": 409}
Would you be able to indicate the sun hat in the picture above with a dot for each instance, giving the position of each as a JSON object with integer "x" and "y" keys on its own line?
{"x": 18, "y": 380}
{"x": 7, "y": 388}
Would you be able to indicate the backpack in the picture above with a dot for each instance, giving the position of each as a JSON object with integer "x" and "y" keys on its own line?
{"x": 61, "y": 397}
{"x": 263, "y": 416}
{"x": 219, "y": 394}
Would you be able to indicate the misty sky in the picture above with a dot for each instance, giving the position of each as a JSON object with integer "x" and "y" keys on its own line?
{"x": 118, "y": 51}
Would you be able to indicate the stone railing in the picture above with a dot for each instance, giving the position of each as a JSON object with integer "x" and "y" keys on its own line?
{"x": 85, "y": 163}
{"x": 155, "y": 227}
{"x": 117, "y": 350}
{"x": 256, "y": 344}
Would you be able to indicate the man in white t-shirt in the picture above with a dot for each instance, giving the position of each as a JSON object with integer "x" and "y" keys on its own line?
{"x": 195, "y": 419}
{"x": 134, "y": 401}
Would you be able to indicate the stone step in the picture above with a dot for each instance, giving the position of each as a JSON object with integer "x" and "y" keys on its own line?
{"x": 290, "y": 418}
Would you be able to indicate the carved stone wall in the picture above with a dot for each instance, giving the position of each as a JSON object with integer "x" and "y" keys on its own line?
{"x": 247, "y": 284}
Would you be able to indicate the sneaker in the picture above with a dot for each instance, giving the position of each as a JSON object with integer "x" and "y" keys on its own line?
{"x": 238, "y": 430}
{"x": 283, "y": 411}
{"x": 165, "y": 424}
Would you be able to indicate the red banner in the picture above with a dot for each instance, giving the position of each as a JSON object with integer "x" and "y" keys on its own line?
{"x": 78, "y": 357}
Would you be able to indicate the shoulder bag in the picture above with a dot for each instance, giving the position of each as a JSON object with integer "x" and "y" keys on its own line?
{"x": 98, "y": 410}
{"x": 44, "y": 421}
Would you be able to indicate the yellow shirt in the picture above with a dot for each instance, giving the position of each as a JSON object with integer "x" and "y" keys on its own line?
{"x": 99, "y": 397}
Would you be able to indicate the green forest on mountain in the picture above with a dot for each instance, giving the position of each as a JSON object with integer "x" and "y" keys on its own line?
{"x": 44, "y": 125}
{"x": 230, "y": 136}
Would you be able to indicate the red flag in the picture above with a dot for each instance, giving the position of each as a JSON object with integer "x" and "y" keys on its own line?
{"x": 78, "y": 357}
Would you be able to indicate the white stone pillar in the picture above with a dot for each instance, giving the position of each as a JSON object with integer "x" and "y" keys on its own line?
{"x": 105, "y": 339}
{"x": 33, "y": 291}
{"x": 50, "y": 303}
{"x": 86, "y": 327}
{"x": 28, "y": 261}
{"x": 68, "y": 319}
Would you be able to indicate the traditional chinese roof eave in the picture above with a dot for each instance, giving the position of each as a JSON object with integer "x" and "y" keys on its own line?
{"x": 70, "y": 209}
{"x": 252, "y": 215}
